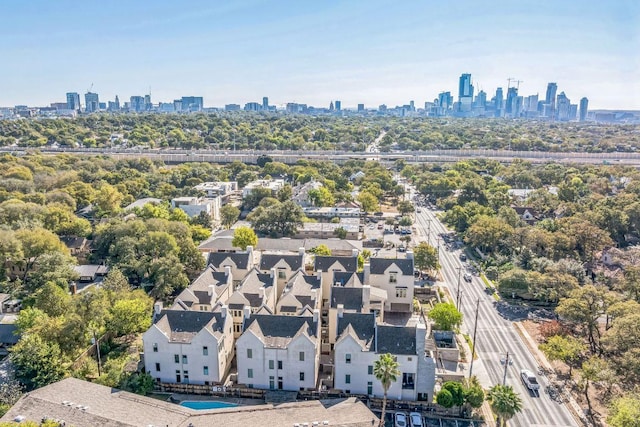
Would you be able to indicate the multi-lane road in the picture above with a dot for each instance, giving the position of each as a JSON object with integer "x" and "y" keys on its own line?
{"x": 496, "y": 335}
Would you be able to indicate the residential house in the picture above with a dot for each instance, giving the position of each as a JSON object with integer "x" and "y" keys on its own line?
{"x": 240, "y": 262}
{"x": 78, "y": 246}
{"x": 217, "y": 189}
{"x": 3, "y": 299}
{"x": 285, "y": 265}
{"x": 193, "y": 347}
{"x": 361, "y": 341}
{"x": 527, "y": 214}
{"x": 88, "y": 275}
{"x": 141, "y": 202}
{"x": 328, "y": 265}
{"x": 208, "y": 289}
{"x": 256, "y": 293}
{"x": 194, "y": 206}
{"x": 394, "y": 276}
{"x": 301, "y": 296}
{"x": 300, "y": 193}
{"x": 356, "y": 176}
{"x": 279, "y": 352}
{"x": 274, "y": 185}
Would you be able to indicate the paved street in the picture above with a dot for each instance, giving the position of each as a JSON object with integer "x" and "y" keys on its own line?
{"x": 495, "y": 335}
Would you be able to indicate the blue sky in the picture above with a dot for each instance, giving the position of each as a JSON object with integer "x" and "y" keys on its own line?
{"x": 370, "y": 51}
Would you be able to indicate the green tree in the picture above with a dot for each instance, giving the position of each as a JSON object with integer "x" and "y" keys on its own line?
{"x": 425, "y": 257}
{"x": 405, "y": 207}
{"x": 566, "y": 349}
{"x": 444, "y": 398}
{"x": 385, "y": 368}
{"x": 446, "y": 316}
{"x": 130, "y": 316}
{"x": 368, "y": 201}
{"x": 592, "y": 369}
{"x": 243, "y": 237}
{"x": 321, "y": 197}
{"x": 340, "y": 233}
{"x": 37, "y": 362}
{"x": 473, "y": 393}
{"x": 285, "y": 193}
{"x": 53, "y": 300}
{"x": 116, "y": 282}
{"x": 282, "y": 219}
{"x": 456, "y": 390}
{"x": 229, "y": 215}
{"x": 625, "y": 412}
{"x": 488, "y": 233}
{"x": 405, "y": 221}
{"x": 321, "y": 250}
{"x": 504, "y": 402}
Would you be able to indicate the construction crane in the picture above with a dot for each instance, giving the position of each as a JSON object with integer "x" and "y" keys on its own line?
{"x": 511, "y": 79}
{"x": 90, "y": 87}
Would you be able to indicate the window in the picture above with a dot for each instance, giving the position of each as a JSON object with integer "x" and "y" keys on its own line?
{"x": 302, "y": 356}
{"x": 347, "y": 379}
{"x": 176, "y": 358}
{"x": 279, "y": 364}
{"x": 184, "y": 359}
{"x": 158, "y": 367}
{"x": 185, "y": 375}
{"x": 205, "y": 370}
{"x": 370, "y": 370}
{"x": 347, "y": 358}
{"x": 271, "y": 364}
{"x": 249, "y": 353}
{"x": 370, "y": 388}
{"x": 393, "y": 277}
{"x": 401, "y": 292}
{"x": 205, "y": 351}
{"x": 282, "y": 274}
{"x": 301, "y": 376}
{"x": 407, "y": 381}
{"x": 250, "y": 373}
{"x": 272, "y": 383}
{"x": 155, "y": 347}
{"x": 237, "y": 327}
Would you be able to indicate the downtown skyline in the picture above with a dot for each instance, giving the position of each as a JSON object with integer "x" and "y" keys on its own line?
{"x": 362, "y": 52}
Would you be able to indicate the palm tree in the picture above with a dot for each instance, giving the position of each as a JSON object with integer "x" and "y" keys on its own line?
{"x": 386, "y": 371}
{"x": 504, "y": 401}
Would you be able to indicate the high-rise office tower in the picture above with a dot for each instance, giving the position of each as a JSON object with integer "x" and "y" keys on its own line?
{"x": 73, "y": 101}
{"x": 445, "y": 100}
{"x": 136, "y": 104}
{"x": 584, "y": 107}
{"x": 265, "y": 103}
{"x": 412, "y": 106}
{"x": 360, "y": 108}
{"x": 498, "y": 100}
{"x": 512, "y": 93}
{"x": 117, "y": 103}
{"x": 147, "y": 102}
{"x": 331, "y": 106}
{"x": 481, "y": 99}
{"x": 465, "y": 93}
{"x": 550, "y": 99}
{"x": 91, "y": 102}
{"x": 563, "y": 106}
{"x": 192, "y": 103}
{"x": 338, "y": 105}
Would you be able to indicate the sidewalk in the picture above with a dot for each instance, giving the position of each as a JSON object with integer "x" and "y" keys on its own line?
{"x": 574, "y": 407}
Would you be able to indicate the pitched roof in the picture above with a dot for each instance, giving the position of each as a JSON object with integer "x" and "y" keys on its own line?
{"x": 302, "y": 287}
{"x": 240, "y": 259}
{"x": 198, "y": 290}
{"x": 380, "y": 265}
{"x": 182, "y": 326}
{"x": 362, "y": 326}
{"x": 279, "y": 330}
{"x": 350, "y": 298}
{"x": 324, "y": 263}
{"x": 348, "y": 279}
{"x": 268, "y": 261}
{"x": 8, "y": 333}
{"x": 396, "y": 340}
{"x": 73, "y": 242}
{"x": 250, "y": 289}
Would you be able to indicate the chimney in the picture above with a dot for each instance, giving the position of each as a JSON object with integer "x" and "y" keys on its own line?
{"x": 366, "y": 273}
{"x": 314, "y": 295}
{"x": 223, "y": 311}
{"x": 340, "y": 310}
{"x": 272, "y": 273}
{"x": 409, "y": 254}
{"x": 421, "y": 336}
{"x": 261, "y": 292}
{"x": 366, "y": 297}
{"x": 316, "y": 316}
{"x": 157, "y": 307}
{"x": 354, "y": 253}
{"x": 301, "y": 251}
{"x": 211, "y": 291}
{"x": 250, "y": 252}
{"x": 247, "y": 312}
{"x": 227, "y": 270}
{"x": 319, "y": 274}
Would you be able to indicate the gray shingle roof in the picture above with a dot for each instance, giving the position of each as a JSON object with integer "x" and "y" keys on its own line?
{"x": 396, "y": 340}
{"x": 182, "y": 326}
{"x": 268, "y": 261}
{"x": 350, "y": 298}
{"x": 7, "y": 333}
{"x": 349, "y": 279}
{"x": 240, "y": 259}
{"x": 363, "y": 325}
{"x": 380, "y": 265}
{"x": 279, "y": 330}
{"x": 325, "y": 263}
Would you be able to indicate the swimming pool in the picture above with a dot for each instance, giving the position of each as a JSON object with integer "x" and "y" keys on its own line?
{"x": 206, "y": 404}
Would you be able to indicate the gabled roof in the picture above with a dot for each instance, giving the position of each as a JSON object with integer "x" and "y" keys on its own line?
{"x": 250, "y": 287}
{"x": 361, "y": 326}
{"x": 8, "y": 333}
{"x": 324, "y": 263}
{"x": 240, "y": 259}
{"x": 198, "y": 290}
{"x": 396, "y": 340}
{"x": 380, "y": 265}
{"x": 269, "y": 261}
{"x": 350, "y": 298}
{"x": 348, "y": 279}
{"x": 73, "y": 242}
{"x": 303, "y": 287}
{"x": 278, "y": 330}
{"x": 182, "y": 326}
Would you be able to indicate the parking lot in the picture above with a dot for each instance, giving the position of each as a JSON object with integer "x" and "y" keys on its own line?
{"x": 430, "y": 421}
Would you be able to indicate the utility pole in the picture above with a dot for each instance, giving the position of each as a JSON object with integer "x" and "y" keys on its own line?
{"x": 95, "y": 341}
{"x": 429, "y": 230}
{"x": 473, "y": 341}
{"x": 506, "y": 366}
{"x": 458, "y": 292}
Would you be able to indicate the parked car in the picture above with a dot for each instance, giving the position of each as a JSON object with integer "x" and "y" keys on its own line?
{"x": 416, "y": 419}
{"x": 529, "y": 380}
{"x": 463, "y": 257}
{"x": 400, "y": 419}
{"x": 467, "y": 277}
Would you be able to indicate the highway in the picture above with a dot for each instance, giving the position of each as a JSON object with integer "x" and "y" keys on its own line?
{"x": 291, "y": 157}
{"x": 495, "y": 335}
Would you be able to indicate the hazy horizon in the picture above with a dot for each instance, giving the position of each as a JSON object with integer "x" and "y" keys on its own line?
{"x": 371, "y": 52}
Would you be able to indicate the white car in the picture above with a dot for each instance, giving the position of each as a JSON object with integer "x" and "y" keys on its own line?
{"x": 529, "y": 380}
{"x": 416, "y": 419}
{"x": 400, "y": 419}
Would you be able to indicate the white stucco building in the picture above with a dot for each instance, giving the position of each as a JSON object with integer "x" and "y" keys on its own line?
{"x": 208, "y": 289}
{"x": 279, "y": 352}
{"x": 256, "y": 293}
{"x": 394, "y": 276}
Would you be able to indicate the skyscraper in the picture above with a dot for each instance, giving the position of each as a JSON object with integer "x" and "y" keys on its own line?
{"x": 465, "y": 93}
{"x": 550, "y": 99}
{"x": 445, "y": 101}
{"x": 136, "y": 104}
{"x": 584, "y": 107}
{"x": 147, "y": 102}
{"x": 499, "y": 99}
{"x": 338, "y": 105}
{"x": 512, "y": 93}
{"x": 563, "y": 105}
{"x": 265, "y": 103}
{"x": 360, "y": 108}
{"x": 73, "y": 101}
{"x": 481, "y": 99}
{"x": 91, "y": 102}
{"x": 192, "y": 103}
